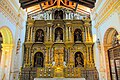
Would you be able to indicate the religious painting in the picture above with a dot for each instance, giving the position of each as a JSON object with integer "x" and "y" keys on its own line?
{"x": 58, "y": 14}
{"x": 79, "y": 60}
{"x": 78, "y": 35}
{"x": 58, "y": 34}
{"x": 38, "y": 59}
{"x": 39, "y": 37}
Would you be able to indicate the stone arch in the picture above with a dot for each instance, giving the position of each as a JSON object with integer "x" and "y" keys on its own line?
{"x": 7, "y": 35}
{"x": 107, "y": 42}
{"x": 108, "y": 37}
{"x": 7, "y": 48}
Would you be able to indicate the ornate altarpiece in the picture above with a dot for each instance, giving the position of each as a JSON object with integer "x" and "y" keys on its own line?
{"x": 58, "y": 48}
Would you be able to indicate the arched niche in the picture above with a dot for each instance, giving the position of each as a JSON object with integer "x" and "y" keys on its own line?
{"x": 38, "y": 59}
{"x": 39, "y": 35}
{"x": 58, "y": 34}
{"x": 79, "y": 59}
{"x": 78, "y": 36}
{"x": 110, "y": 37}
{"x": 58, "y": 14}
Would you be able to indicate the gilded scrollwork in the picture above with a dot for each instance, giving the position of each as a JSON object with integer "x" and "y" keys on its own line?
{"x": 58, "y": 46}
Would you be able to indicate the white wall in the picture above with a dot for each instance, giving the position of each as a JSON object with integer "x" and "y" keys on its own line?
{"x": 112, "y": 21}
{"x": 17, "y": 29}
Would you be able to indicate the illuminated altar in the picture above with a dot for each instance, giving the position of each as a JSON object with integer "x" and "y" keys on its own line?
{"x": 58, "y": 48}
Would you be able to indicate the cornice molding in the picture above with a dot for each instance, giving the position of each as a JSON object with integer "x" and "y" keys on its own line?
{"x": 108, "y": 8}
{"x": 14, "y": 16}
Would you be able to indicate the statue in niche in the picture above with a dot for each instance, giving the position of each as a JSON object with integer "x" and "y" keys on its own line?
{"x": 58, "y": 14}
{"x": 39, "y": 36}
{"x": 79, "y": 60}
{"x": 78, "y": 36}
{"x": 58, "y": 34}
{"x": 38, "y": 60}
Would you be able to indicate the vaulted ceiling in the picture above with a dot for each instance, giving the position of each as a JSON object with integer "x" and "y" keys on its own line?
{"x": 34, "y": 6}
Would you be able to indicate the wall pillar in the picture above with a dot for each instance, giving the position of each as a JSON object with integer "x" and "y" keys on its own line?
{"x": 6, "y": 61}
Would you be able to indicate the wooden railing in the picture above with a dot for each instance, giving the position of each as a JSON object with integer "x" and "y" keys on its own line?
{"x": 31, "y": 73}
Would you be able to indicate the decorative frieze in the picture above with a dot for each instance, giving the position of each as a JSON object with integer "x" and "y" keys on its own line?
{"x": 108, "y": 8}
{"x": 14, "y": 16}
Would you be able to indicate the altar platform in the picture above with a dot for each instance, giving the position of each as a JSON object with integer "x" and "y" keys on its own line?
{"x": 59, "y": 79}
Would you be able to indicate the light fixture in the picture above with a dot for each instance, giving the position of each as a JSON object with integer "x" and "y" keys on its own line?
{"x": 98, "y": 41}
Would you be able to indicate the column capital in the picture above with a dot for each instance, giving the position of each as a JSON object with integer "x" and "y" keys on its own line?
{"x": 5, "y": 46}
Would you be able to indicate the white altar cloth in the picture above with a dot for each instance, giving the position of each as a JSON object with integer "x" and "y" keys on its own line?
{"x": 59, "y": 79}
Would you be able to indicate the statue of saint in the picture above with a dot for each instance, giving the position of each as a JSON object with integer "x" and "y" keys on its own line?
{"x": 78, "y": 36}
{"x": 39, "y": 36}
{"x": 79, "y": 61}
{"x": 58, "y": 36}
{"x": 39, "y": 61}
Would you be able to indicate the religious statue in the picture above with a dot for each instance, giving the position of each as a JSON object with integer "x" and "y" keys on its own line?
{"x": 39, "y": 36}
{"x": 59, "y": 14}
{"x": 79, "y": 62}
{"x": 58, "y": 36}
{"x": 78, "y": 36}
{"x": 39, "y": 61}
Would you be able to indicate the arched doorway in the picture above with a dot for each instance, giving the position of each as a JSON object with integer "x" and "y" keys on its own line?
{"x": 7, "y": 47}
{"x": 79, "y": 60}
{"x": 38, "y": 59}
{"x": 78, "y": 35}
{"x": 109, "y": 42}
{"x": 58, "y": 34}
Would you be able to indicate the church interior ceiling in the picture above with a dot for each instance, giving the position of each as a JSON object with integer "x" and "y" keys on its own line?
{"x": 35, "y": 6}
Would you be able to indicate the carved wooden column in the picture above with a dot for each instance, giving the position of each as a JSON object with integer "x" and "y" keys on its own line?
{"x": 27, "y": 57}
{"x": 31, "y": 39}
{"x": 66, "y": 33}
{"x": 50, "y": 33}
{"x": 69, "y": 33}
{"x": 28, "y": 37}
{"x": 87, "y": 57}
{"x": 87, "y": 29}
{"x": 47, "y": 33}
{"x": 47, "y": 56}
{"x": 30, "y": 29}
{"x": 70, "y": 57}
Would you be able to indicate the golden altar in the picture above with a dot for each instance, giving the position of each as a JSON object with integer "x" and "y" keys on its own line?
{"x": 58, "y": 49}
